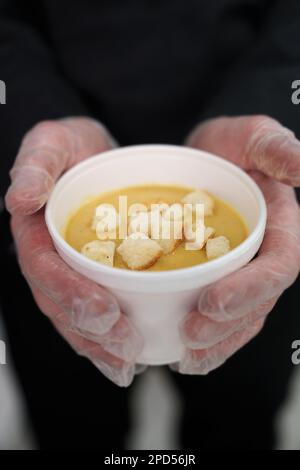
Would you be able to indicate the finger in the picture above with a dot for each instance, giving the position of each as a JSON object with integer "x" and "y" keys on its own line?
{"x": 254, "y": 143}
{"x": 46, "y": 151}
{"x": 199, "y": 332}
{"x": 122, "y": 341}
{"x": 140, "y": 369}
{"x": 201, "y": 362}
{"x": 115, "y": 369}
{"x": 89, "y": 307}
{"x": 268, "y": 275}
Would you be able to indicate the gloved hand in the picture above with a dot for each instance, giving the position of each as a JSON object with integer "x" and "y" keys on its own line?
{"x": 85, "y": 314}
{"x": 233, "y": 310}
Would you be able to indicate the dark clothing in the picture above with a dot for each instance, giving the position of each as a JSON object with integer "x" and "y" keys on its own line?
{"x": 149, "y": 70}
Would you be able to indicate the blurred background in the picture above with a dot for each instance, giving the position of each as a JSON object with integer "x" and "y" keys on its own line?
{"x": 155, "y": 409}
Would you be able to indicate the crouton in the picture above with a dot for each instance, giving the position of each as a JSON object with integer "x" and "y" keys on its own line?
{"x": 200, "y": 197}
{"x": 168, "y": 246}
{"x": 170, "y": 236}
{"x": 155, "y": 221}
{"x": 173, "y": 212}
{"x": 106, "y": 235}
{"x": 138, "y": 236}
{"x": 148, "y": 223}
{"x": 139, "y": 253}
{"x": 139, "y": 223}
{"x": 216, "y": 247}
{"x": 195, "y": 236}
{"x": 102, "y": 252}
{"x": 209, "y": 233}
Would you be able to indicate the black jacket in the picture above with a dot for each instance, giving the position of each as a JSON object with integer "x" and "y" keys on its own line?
{"x": 149, "y": 69}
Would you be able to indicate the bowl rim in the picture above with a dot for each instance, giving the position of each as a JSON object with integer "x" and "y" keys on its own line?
{"x": 155, "y": 276}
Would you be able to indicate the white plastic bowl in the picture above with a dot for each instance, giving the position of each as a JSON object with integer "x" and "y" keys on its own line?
{"x": 157, "y": 301}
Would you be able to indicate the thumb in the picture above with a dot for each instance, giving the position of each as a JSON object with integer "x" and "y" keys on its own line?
{"x": 254, "y": 143}
{"x": 47, "y": 150}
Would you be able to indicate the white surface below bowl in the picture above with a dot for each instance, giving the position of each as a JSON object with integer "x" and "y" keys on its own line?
{"x": 157, "y": 301}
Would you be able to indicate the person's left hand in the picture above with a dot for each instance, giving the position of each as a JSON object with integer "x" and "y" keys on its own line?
{"x": 85, "y": 314}
{"x": 233, "y": 310}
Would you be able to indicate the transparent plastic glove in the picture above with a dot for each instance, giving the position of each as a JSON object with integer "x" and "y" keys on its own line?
{"x": 233, "y": 310}
{"x": 86, "y": 315}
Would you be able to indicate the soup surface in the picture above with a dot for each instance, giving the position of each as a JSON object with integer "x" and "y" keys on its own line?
{"x": 225, "y": 220}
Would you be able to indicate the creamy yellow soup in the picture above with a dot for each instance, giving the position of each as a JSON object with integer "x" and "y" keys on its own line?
{"x": 225, "y": 220}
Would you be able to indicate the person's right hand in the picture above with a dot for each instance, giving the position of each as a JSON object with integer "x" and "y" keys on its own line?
{"x": 85, "y": 314}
